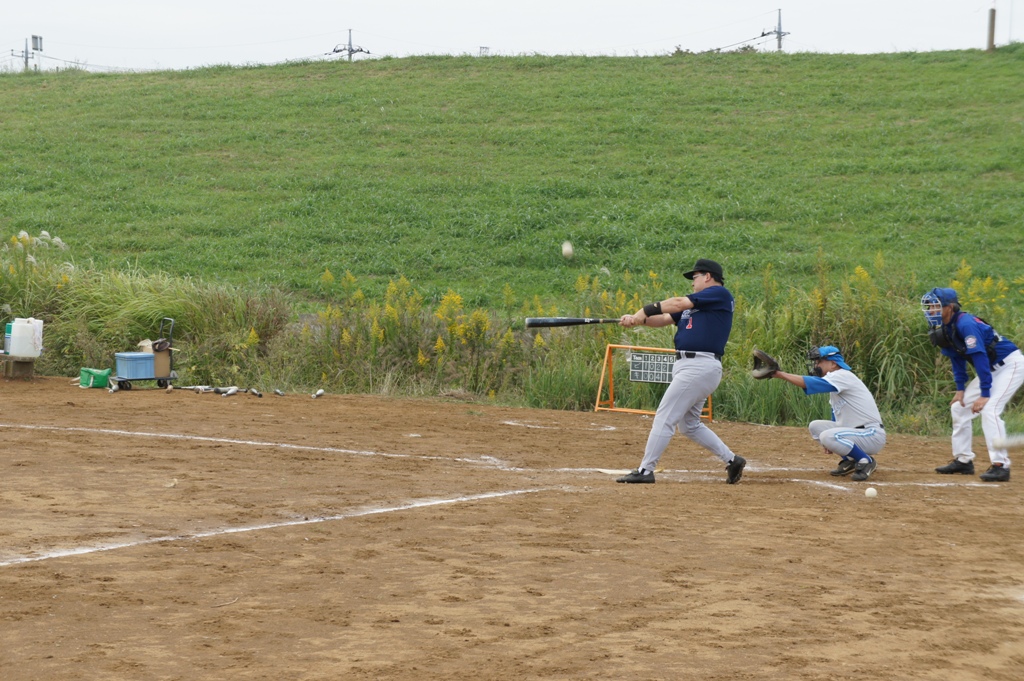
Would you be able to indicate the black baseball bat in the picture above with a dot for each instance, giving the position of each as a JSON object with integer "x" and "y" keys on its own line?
{"x": 533, "y": 322}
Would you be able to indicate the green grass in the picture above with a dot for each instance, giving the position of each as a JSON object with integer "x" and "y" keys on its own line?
{"x": 468, "y": 173}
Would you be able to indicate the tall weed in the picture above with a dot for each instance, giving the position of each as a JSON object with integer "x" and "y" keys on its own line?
{"x": 401, "y": 344}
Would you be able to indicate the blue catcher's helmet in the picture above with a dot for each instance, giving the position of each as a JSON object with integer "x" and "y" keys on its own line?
{"x": 933, "y": 302}
{"x": 829, "y": 352}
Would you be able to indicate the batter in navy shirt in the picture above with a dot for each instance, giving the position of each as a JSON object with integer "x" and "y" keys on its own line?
{"x": 703, "y": 321}
{"x": 706, "y": 326}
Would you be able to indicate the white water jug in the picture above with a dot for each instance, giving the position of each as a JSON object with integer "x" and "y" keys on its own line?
{"x": 23, "y": 338}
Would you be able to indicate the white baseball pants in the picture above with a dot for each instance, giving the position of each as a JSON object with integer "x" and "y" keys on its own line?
{"x": 1006, "y": 379}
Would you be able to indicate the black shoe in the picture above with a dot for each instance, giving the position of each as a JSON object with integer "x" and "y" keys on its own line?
{"x": 865, "y": 467}
{"x": 734, "y": 471}
{"x": 956, "y": 466}
{"x": 996, "y": 474}
{"x": 845, "y": 467}
{"x": 636, "y": 475}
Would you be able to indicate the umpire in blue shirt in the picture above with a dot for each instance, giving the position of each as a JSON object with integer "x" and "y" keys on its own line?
{"x": 998, "y": 373}
{"x": 703, "y": 321}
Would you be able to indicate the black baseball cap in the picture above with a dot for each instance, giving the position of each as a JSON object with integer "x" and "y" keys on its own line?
{"x": 705, "y": 265}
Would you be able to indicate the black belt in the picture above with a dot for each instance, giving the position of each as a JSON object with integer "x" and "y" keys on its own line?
{"x": 873, "y": 426}
{"x": 687, "y": 354}
{"x": 998, "y": 364}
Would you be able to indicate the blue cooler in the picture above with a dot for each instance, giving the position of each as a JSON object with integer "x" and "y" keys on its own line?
{"x": 134, "y": 365}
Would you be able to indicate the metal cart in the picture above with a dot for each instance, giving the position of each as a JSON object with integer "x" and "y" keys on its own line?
{"x": 125, "y": 382}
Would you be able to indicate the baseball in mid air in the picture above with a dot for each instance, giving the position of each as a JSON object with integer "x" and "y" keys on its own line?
{"x": 871, "y": 492}
{"x": 567, "y": 249}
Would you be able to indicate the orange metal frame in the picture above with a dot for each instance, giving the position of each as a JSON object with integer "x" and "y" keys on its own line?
{"x": 606, "y": 370}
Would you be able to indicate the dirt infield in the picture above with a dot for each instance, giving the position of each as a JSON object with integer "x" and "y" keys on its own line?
{"x": 154, "y": 535}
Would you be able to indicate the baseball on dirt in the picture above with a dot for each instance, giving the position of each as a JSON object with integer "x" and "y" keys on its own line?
{"x": 871, "y": 493}
{"x": 567, "y": 249}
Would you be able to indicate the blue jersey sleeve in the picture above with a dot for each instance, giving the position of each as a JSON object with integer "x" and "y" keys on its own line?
{"x": 976, "y": 337}
{"x": 815, "y": 385}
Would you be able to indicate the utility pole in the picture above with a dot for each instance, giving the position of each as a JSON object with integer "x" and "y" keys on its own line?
{"x": 37, "y": 46}
{"x": 349, "y": 49}
{"x": 778, "y": 32}
{"x": 992, "y": 30}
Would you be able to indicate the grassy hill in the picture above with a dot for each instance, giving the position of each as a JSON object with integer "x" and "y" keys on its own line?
{"x": 467, "y": 173}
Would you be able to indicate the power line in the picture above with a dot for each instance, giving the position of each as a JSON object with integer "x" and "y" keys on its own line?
{"x": 693, "y": 33}
{"x": 726, "y": 47}
{"x": 777, "y": 33}
{"x": 196, "y": 47}
{"x": 85, "y": 65}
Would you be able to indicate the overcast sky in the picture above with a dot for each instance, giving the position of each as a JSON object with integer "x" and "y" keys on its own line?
{"x": 145, "y": 34}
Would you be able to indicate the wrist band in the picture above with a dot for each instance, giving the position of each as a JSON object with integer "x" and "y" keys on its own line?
{"x": 652, "y": 309}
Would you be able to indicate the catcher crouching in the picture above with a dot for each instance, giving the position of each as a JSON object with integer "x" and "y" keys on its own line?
{"x": 855, "y": 432}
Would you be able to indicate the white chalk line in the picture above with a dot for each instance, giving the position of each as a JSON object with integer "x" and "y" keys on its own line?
{"x": 486, "y": 460}
{"x": 705, "y": 475}
{"x": 821, "y": 483}
{"x": 531, "y": 425}
{"x": 416, "y": 503}
{"x": 873, "y": 483}
{"x": 712, "y": 476}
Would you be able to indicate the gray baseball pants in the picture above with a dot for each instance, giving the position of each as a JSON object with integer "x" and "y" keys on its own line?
{"x": 840, "y": 440}
{"x": 692, "y": 381}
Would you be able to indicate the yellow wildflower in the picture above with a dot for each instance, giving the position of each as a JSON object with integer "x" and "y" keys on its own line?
{"x": 252, "y": 339}
{"x": 508, "y": 296}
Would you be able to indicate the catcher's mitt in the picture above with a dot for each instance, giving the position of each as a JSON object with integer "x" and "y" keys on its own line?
{"x": 765, "y": 365}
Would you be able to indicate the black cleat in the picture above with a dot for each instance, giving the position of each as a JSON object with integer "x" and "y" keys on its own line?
{"x": 734, "y": 471}
{"x": 865, "y": 467}
{"x": 956, "y": 466}
{"x": 845, "y": 467}
{"x": 636, "y": 475}
{"x": 996, "y": 474}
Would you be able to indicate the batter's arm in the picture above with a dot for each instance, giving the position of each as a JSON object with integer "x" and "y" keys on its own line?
{"x": 668, "y": 308}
